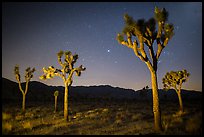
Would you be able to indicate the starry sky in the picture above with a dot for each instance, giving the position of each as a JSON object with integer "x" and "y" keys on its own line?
{"x": 33, "y": 33}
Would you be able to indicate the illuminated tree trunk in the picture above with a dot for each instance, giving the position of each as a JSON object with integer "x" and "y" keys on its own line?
{"x": 156, "y": 107}
{"x": 180, "y": 100}
{"x": 55, "y": 103}
{"x": 23, "y": 103}
{"x": 66, "y": 102}
{"x": 24, "y": 94}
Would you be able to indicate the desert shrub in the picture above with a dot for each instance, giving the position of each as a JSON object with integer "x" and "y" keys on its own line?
{"x": 194, "y": 124}
{"x": 27, "y": 125}
{"x": 6, "y": 127}
{"x": 120, "y": 118}
{"x": 29, "y": 114}
{"x": 136, "y": 117}
{"x": 18, "y": 117}
{"x": 6, "y": 116}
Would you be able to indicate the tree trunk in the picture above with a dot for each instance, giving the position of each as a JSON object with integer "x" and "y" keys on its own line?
{"x": 66, "y": 102}
{"x": 55, "y": 103}
{"x": 23, "y": 103}
{"x": 156, "y": 107}
{"x": 180, "y": 100}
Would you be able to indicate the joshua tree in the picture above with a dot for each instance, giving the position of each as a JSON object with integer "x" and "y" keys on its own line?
{"x": 65, "y": 73}
{"x": 140, "y": 33}
{"x": 143, "y": 91}
{"x": 175, "y": 79}
{"x": 56, "y": 93}
{"x": 28, "y": 76}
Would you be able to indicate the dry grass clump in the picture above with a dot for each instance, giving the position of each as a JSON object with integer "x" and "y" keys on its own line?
{"x": 6, "y": 127}
{"x": 6, "y": 116}
{"x": 136, "y": 117}
{"x": 194, "y": 124}
{"x": 27, "y": 125}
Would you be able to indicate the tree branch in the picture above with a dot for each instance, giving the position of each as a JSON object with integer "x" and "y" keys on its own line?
{"x": 60, "y": 61}
{"x": 129, "y": 40}
{"x": 19, "y": 84}
{"x": 135, "y": 49}
{"x": 160, "y": 28}
{"x": 125, "y": 43}
{"x": 26, "y": 88}
{"x": 159, "y": 50}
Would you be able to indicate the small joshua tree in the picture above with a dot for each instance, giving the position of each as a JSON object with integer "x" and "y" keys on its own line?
{"x": 65, "y": 73}
{"x": 28, "y": 76}
{"x": 56, "y": 93}
{"x": 141, "y": 33}
{"x": 175, "y": 79}
{"x": 143, "y": 91}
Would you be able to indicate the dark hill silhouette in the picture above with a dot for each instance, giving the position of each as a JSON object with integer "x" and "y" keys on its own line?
{"x": 39, "y": 92}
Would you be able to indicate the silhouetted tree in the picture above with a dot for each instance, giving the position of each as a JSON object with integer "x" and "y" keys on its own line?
{"x": 65, "y": 73}
{"x": 175, "y": 79}
{"x": 56, "y": 93}
{"x": 140, "y": 33}
{"x": 28, "y": 76}
{"x": 143, "y": 92}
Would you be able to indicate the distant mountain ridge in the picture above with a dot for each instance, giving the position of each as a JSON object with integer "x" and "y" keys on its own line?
{"x": 42, "y": 93}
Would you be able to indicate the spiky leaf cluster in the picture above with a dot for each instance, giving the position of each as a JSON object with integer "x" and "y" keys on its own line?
{"x": 120, "y": 38}
{"x": 161, "y": 15}
{"x": 175, "y": 78}
{"x": 28, "y": 73}
{"x": 56, "y": 93}
{"x": 16, "y": 72}
{"x": 148, "y": 28}
{"x": 50, "y": 72}
{"x": 133, "y": 27}
{"x": 67, "y": 67}
{"x": 78, "y": 71}
{"x": 69, "y": 59}
{"x": 139, "y": 27}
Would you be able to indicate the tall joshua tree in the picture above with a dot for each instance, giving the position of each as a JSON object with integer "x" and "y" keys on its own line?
{"x": 140, "y": 33}
{"x": 175, "y": 79}
{"x": 65, "y": 73}
{"x": 28, "y": 76}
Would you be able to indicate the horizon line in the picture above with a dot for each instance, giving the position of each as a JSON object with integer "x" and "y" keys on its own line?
{"x": 102, "y": 85}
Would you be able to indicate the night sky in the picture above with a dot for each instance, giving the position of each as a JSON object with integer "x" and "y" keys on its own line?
{"x": 33, "y": 34}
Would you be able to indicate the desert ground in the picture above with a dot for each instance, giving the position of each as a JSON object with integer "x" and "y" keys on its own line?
{"x": 101, "y": 117}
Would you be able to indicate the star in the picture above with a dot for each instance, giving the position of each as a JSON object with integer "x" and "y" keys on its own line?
{"x": 108, "y": 50}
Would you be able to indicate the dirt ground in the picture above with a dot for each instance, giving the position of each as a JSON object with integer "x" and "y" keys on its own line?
{"x": 101, "y": 118}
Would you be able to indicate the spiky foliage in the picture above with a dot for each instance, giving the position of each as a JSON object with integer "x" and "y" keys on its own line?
{"x": 28, "y": 75}
{"x": 175, "y": 79}
{"x": 65, "y": 73}
{"x": 56, "y": 93}
{"x": 138, "y": 33}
